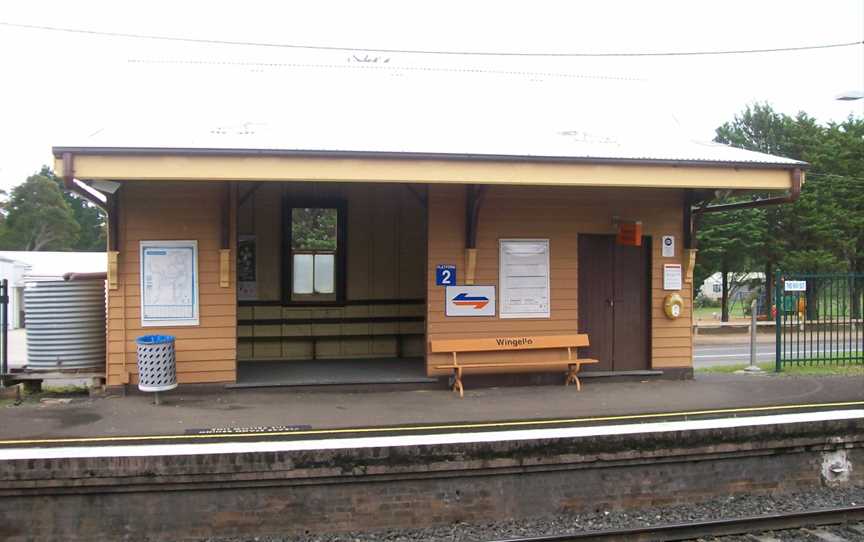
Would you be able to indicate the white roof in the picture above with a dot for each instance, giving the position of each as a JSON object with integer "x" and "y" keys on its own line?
{"x": 459, "y": 114}
{"x": 56, "y": 264}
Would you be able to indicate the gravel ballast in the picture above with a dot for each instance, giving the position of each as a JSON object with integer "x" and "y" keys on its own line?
{"x": 741, "y": 505}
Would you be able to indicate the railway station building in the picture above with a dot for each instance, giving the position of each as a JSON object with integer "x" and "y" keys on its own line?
{"x": 273, "y": 261}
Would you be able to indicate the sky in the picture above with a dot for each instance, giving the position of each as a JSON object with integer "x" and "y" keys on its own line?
{"x": 60, "y": 88}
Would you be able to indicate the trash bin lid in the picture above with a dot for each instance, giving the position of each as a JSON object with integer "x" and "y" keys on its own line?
{"x": 155, "y": 339}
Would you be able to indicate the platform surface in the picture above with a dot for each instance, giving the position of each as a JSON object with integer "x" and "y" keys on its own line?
{"x": 193, "y": 411}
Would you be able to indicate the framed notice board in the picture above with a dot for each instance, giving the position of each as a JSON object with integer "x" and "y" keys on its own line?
{"x": 169, "y": 283}
{"x": 524, "y": 278}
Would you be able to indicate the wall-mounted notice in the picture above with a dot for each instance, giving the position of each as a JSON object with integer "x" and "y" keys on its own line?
{"x": 169, "y": 283}
{"x": 524, "y": 278}
{"x": 671, "y": 276}
{"x": 247, "y": 282}
{"x": 668, "y": 250}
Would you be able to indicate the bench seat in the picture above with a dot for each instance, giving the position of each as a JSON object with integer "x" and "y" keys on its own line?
{"x": 571, "y": 365}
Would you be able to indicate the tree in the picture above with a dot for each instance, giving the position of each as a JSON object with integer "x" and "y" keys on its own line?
{"x": 824, "y": 230}
{"x": 759, "y": 128}
{"x": 728, "y": 242}
{"x": 91, "y": 219}
{"x": 39, "y": 218}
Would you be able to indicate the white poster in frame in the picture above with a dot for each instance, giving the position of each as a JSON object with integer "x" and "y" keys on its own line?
{"x": 169, "y": 283}
{"x": 524, "y": 278}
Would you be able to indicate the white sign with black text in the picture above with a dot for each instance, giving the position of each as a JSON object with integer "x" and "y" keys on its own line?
{"x": 671, "y": 276}
{"x": 524, "y": 278}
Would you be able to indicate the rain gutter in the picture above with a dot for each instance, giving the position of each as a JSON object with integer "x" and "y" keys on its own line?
{"x": 692, "y": 213}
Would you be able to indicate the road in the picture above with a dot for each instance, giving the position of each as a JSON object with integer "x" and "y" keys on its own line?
{"x": 728, "y": 351}
{"x": 731, "y": 353}
{"x": 736, "y": 351}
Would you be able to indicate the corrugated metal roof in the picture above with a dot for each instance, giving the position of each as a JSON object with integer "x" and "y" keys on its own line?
{"x": 418, "y": 113}
{"x": 576, "y": 145}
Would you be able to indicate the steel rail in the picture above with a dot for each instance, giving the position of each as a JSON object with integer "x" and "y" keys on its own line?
{"x": 721, "y": 527}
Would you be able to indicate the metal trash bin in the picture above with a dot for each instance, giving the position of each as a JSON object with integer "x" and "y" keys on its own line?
{"x": 157, "y": 363}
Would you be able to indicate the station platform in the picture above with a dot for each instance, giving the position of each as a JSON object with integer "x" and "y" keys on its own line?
{"x": 194, "y": 412}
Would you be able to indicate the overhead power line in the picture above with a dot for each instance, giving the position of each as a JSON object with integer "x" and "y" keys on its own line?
{"x": 379, "y": 67}
{"x": 204, "y": 41}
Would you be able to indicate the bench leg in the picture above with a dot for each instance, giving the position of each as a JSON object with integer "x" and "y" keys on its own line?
{"x": 572, "y": 376}
{"x": 457, "y": 381}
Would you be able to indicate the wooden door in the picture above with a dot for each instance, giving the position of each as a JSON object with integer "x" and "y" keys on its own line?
{"x": 595, "y": 267}
{"x": 613, "y": 302}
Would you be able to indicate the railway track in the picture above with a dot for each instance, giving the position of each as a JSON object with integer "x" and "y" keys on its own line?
{"x": 714, "y": 528}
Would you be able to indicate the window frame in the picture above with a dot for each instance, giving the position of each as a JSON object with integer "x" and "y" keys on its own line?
{"x": 289, "y": 203}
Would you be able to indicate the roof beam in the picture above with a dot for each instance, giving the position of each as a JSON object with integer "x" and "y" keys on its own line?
{"x": 527, "y": 173}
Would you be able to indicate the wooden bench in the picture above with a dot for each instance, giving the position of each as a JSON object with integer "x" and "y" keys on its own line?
{"x": 512, "y": 344}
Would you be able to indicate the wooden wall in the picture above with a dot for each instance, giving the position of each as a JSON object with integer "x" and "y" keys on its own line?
{"x": 557, "y": 214}
{"x": 173, "y": 211}
{"x": 385, "y": 260}
{"x": 386, "y": 250}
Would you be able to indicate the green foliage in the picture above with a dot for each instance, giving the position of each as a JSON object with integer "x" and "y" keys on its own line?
{"x": 313, "y": 229}
{"x": 39, "y": 215}
{"x": 38, "y": 218}
{"x": 824, "y": 230}
{"x": 852, "y": 369}
{"x": 94, "y": 231}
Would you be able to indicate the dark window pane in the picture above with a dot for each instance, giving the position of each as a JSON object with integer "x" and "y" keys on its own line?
{"x": 313, "y": 229}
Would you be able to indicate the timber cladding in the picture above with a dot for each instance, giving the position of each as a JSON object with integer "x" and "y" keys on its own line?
{"x": 178, "y": 211}
{"x": 559, "y": 214}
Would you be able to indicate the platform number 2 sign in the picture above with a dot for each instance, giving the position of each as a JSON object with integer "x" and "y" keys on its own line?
{"x": 445, "y": 275}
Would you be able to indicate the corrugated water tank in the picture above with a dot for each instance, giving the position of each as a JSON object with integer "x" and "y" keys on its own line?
{"x": 65, "y": 322}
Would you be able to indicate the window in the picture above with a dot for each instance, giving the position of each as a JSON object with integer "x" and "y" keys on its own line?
{"x": 717, "y": 288}
{"x": 314, "y": 253}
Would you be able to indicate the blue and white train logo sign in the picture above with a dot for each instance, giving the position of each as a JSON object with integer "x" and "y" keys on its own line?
{"x": 470, "y": 301}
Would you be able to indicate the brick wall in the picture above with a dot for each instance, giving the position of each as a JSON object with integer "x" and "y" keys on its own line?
{"x": 176, "y": 497}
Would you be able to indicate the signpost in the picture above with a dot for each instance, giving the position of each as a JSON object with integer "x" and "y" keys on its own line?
{"x": 795, "y": 285}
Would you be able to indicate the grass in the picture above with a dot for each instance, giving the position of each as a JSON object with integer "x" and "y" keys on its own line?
{"x": 706, "y": 313}
{"x": 793, "y": 369}
{"x": 63, "y": 391}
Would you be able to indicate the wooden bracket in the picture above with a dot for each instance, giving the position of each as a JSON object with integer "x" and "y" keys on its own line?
{"x": 689, "y": 264}
{"x": 249, "y": 193}
{"x": 225, "y": 268}
{"x": 423, "y": 198}
{"x": 473, "y": 199}
{"x": 470, "y": 265}
{"x": 113, "y": 256}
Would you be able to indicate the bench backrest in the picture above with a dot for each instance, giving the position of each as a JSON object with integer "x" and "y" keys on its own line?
{"x": 516, "y": 342}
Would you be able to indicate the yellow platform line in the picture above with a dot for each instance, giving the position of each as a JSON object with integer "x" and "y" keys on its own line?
{"x": 450, "y": 426}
